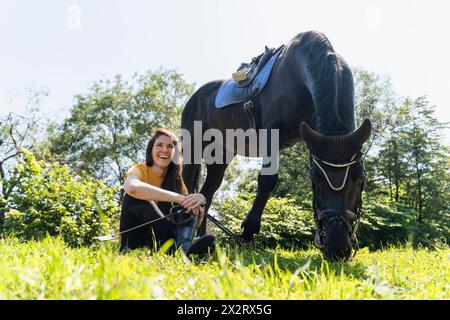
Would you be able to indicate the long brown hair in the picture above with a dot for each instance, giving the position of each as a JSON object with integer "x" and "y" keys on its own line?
{"x": 173, "y": 180}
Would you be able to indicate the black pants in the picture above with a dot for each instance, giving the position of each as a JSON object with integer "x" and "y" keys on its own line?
{"x": 135, "y": 212}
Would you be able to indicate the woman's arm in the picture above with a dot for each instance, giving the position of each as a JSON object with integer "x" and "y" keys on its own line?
{"x": 144, "y": 191}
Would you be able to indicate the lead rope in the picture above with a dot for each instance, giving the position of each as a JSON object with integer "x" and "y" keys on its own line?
{"x": 116, "y": 235}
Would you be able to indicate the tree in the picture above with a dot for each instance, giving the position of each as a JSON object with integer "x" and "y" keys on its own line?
{"x": 415, "y": 166}
{"x": 108, "y": 127}
{"x": 393, "y": 165}
{"x": 19, "y": 131}
{"x": 374, "y": 99}
{"x": 293, "y": 174}
{"x": 424, "y": 153}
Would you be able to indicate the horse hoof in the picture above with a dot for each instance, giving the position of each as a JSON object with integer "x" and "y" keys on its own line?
{"x": 246, "y": 237}
{"x": 251, "y": 225}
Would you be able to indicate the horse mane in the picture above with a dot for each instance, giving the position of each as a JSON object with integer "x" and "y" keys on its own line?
{"x": 322, "y": 71}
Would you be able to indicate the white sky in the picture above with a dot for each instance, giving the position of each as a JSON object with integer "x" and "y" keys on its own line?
{"x": 67, "y": 45}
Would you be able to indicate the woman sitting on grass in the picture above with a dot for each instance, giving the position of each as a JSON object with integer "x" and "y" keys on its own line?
{"x": 159, "y": 179}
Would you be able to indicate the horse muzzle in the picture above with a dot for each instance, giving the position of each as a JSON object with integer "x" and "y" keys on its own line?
{"x": 335, "y": 231}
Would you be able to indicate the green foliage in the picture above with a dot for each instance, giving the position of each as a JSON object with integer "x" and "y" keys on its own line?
{"x": 284, "y": 222}
{"x": 108, "y": 127}
{"x": 40, "y": 199}
{"x": 408, "y": 168}
{"x": 294, "y": 173}
{"x": 382, "y": 225}
{"x": 414, "y": 162}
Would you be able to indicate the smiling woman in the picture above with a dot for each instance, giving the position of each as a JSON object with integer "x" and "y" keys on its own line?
{"x": 159, "y": 179}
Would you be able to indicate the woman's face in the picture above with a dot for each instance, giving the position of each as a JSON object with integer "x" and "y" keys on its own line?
{"x": 163, "y": 151}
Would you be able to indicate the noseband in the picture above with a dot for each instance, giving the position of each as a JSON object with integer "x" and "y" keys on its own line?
{"x": 324, "y": 217}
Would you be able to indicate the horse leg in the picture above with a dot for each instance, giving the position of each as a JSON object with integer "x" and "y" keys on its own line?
{"x": 252, "y": 222}
{"x": 214, "y": 177}
{"x": 267, "y": 180}
{"x": 191, "y": 175}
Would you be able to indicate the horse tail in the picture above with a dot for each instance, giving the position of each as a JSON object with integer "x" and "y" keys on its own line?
{"x": 321, "y": 72}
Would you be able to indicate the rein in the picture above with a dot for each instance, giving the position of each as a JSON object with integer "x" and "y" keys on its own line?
{"x": 227, "y": 231}
{"x": 116, "y": 235}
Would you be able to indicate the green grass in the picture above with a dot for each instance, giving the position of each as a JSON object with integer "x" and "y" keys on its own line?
{"x": 49, "y": 269}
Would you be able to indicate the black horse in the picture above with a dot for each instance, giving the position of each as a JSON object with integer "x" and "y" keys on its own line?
{"x": 309, "y": 97}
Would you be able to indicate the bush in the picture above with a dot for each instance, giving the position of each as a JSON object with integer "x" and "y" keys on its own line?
{"x": 284, "y": 222}
{"x": 383, "y": 224}
{"x": 40, "y": 199}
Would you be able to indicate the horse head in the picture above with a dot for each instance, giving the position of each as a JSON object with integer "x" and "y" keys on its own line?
{"x": 338, "y": 178}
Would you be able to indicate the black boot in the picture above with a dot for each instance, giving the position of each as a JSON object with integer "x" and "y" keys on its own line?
{"x": 184, "y": 232}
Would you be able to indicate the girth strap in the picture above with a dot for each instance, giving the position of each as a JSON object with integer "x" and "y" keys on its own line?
{"x": 249, "y": 110}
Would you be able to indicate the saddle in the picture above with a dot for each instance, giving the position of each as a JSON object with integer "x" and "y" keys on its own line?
{"x": 247, "y": 71}
{"x": 251, "y": 79}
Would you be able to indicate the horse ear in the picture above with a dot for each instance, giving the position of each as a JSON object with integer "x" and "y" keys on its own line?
{"x": 362, "y": 134}
{"x": 310, "y": 136}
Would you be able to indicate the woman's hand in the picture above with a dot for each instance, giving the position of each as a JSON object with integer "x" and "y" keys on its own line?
{"x": 193, "y": 201}
{"x": 179, "y": 199}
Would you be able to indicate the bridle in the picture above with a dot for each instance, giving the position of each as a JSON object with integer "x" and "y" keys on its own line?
{"x": 350, "y": 218}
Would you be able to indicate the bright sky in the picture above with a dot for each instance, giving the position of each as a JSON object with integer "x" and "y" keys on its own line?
{"x": 67, "y": 45}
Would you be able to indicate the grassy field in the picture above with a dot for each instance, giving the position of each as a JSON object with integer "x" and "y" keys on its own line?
{"x": 50, "y": 270}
